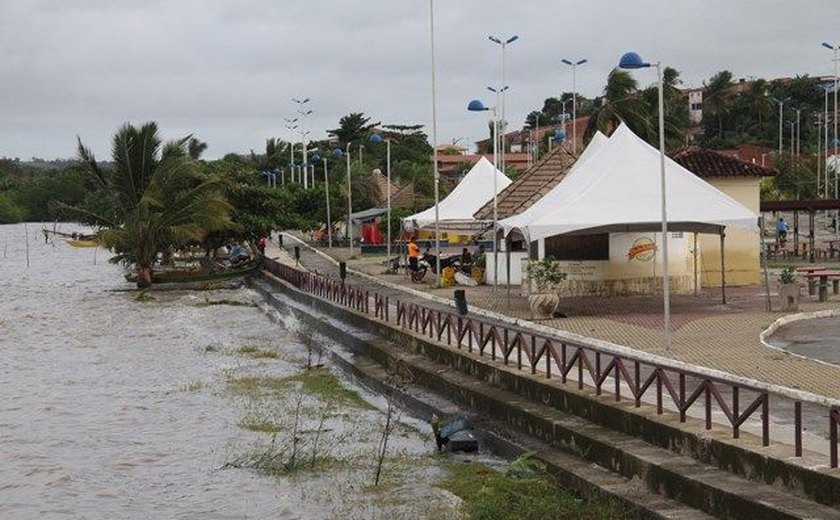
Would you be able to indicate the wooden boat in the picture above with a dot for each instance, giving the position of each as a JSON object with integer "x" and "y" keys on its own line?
{"x": 82, "y": 243}
{"x": 198, "y": 275}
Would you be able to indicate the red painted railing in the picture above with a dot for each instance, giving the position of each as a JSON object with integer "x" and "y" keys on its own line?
{"x": 681, "y": 387}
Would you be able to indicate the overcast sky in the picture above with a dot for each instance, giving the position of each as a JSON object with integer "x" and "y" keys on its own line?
{"x": 227, "y": 70}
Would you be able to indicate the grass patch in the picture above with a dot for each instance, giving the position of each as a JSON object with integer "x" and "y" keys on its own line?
{"x": 255, "y": 423}
{"x": 256, "y": 352}
{"x": 322, "y": 383}
{"x": 524, "y": 492}
{"x": 276, "y": 459}
{"x": 192, "y": 386}
{"x": 318, "y": 382}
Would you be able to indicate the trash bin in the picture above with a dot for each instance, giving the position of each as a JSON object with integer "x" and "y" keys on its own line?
{"x": 461, "y": 301}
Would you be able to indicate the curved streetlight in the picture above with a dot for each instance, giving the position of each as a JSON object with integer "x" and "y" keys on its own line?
{"x": 292, "y": 127}
{"x": 378, "y": 139}
{"x": 631, "y": 61}
{"x": 434, "y": 139}
{"x": 477, "y": 106}
{"x": 574, "y": 66}
{"x": 834, "y": 47}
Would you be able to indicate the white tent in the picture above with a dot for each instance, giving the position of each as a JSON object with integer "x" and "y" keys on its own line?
{"x": 618, "y": 190}
{"x": 473, "y": 192}
{"x": 547, "y": 203}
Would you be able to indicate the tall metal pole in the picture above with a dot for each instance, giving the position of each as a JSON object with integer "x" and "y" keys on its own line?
{"x": 781, "y": 118}
{"x": 574, "y": 66}
{"x": 349, "y": 201}
{"x": 834, "y": 159}
{"x": 825, "y": 132}
{"x": 798, "y": 129}
{"x": 792, "y": 140}
{"x": 388, "y": 189}
{"x": 666, "y": 297}
{"x": 329, "y": 220}
{"x": 434, "y": 140}
{"x": 495, "y": 203}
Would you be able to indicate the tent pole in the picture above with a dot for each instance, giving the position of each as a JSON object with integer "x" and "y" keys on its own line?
{"x": 722, "y": 266}
{"x": 695, "y": 264}
{"x": 507, "y": 268}
{"x": 763, "y": 253}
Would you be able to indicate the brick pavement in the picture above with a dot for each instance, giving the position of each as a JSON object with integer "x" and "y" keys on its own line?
{"x": 705, "y": 332}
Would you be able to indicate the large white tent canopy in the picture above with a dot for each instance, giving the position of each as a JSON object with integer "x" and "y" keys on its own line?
{"x": 473, "y": 192}
{"x": 617, "y": 189}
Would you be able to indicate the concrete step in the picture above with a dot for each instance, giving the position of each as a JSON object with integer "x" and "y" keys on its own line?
{"x": 673, "y": 476}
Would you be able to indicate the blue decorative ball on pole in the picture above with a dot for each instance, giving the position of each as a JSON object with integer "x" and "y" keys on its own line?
{"x": 337, "y": 152}
{"x": 631, "y": 60}
{"x": 476, "y": 106}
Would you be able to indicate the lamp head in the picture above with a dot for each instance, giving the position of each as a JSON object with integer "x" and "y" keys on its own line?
{"x": 336, "y": 153}
{"x": 581, "y": 62}
{"x": 828, "y": 45}
{"x": 559, "y": 135}
{"x": 376, "y": 139}
{"x": 512, "y": 39}
{"x": 632, "y": 60}
{"x": 496, "y": 40}
{"x": 316, "y": 157}
{"x": 567, "y": 62}
{"x": 476, "y": 106}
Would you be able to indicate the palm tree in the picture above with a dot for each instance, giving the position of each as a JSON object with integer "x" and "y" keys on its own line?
{"x": 621, "y": 102}
{"x": 717, "y": 97}
{"x": 152, "y": 199}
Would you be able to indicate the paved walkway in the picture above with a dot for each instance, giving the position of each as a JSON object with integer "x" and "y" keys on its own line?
{"x": 706, "y": 333}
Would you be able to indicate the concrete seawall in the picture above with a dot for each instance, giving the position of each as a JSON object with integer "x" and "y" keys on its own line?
{"x": 578, "y": 421}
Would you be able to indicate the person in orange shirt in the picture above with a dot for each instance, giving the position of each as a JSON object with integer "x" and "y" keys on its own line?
{"x": 413, "y": 254}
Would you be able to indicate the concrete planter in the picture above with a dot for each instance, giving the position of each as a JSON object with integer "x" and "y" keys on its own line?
{"x": 789, "y": 297}
{"x": 544, "y": 304}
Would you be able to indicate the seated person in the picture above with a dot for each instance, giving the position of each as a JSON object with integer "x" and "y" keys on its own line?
{"x": 480, "y": 259}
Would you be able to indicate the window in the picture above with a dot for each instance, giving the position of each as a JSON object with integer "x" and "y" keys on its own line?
{"x": 578, "y": 247}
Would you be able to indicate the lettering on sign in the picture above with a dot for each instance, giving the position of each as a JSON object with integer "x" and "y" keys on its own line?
{"x": 642, "y": 250}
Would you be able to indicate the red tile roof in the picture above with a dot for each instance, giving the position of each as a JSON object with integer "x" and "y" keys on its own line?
{"x": 708, "y": 163}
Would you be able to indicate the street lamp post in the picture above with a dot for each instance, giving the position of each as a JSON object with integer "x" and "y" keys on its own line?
{"x": 835, "y": 48}
{"x": 501, "y": 104}
{"x": 303, "y": 113}
{"x": 792, "y": 128}
{"x": 631, "y": 60}
{"x": 376, "y": 138}
{"x": 798, "y": 126}
{"x": 781, "y": 103}
{"x": 434, "y": 140}
{"x": 315, "y": 158}
{"x": 477, "y": 106}
{"x": 574, "y": 66}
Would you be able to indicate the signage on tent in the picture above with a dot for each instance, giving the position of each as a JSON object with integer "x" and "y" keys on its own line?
{"x": 642, "y": 250}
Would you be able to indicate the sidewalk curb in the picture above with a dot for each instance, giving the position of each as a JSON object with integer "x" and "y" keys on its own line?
{"x": 792, "y": 318}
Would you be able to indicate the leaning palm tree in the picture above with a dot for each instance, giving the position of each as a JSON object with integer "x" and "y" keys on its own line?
{"x": 152, "y": 198}
{"x": 621, "y": 102}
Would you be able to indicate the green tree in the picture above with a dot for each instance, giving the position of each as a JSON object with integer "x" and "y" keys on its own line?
{"x": 353, "y": 128}
{"x": 621, "y": 102}
{"x": 153, "y": 198}
{"x": 717, "y": 101}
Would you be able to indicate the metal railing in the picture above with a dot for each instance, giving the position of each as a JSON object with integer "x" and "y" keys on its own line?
{"x": 540, "y": 352}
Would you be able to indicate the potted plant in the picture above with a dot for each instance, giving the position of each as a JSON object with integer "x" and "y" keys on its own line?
{"x": 545, "y": 276}
{"x": 788, "y": 290}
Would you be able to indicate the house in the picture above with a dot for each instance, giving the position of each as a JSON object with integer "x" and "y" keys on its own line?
{"x": 740, "y": 180}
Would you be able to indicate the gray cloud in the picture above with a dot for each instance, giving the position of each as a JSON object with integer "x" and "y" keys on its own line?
{"x": 227, "y": 71}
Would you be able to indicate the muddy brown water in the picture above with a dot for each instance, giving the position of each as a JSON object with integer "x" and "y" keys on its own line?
{"x": 118, "y": 408}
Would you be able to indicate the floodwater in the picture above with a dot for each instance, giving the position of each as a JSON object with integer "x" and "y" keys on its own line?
{"x": 114, "y": 407}
{"x": 817, "y": 339}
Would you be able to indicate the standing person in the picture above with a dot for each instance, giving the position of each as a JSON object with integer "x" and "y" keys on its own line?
{"x": 782, "y": 229}
{"x": 261, "y": 243}
{"x": 413, "y": 254}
